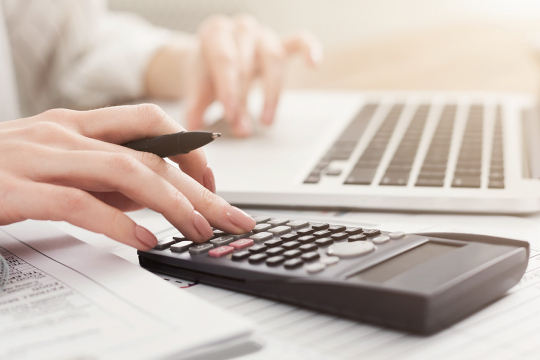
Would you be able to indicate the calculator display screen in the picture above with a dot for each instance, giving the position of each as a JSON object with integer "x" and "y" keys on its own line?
{"x": 403, "y": 262}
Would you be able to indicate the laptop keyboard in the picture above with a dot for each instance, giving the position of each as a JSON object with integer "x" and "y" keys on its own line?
{"x": 432, "y": 173}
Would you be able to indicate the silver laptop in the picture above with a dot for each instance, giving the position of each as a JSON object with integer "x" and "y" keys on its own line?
{"x": 448, "y": 152}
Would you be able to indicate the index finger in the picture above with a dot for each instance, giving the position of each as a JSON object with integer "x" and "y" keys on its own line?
{"x": 121, "y": 124}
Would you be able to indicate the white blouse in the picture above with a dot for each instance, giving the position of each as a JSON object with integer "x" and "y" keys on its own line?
{"x": 77, "y": 54}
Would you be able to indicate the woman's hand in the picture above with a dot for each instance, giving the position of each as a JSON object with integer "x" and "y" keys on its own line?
{"x": 65, "y": 165}
{"x": 222, "y": 63}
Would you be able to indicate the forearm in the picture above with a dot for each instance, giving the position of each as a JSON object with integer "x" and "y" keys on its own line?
{"x": 167, "y": 74}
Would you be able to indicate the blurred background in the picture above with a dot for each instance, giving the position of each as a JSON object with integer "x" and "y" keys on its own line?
{"x": 393, "y": 44}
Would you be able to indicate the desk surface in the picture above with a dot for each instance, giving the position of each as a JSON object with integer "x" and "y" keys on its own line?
{"x": 470, "y": 57}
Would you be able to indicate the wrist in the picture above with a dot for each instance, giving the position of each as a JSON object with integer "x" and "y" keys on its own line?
{"x": 169, "y": 72}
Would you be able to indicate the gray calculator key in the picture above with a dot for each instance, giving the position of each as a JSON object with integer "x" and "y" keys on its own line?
{"x": 306, "y": 239}
{"x": 257, "y": 258}
{"x": 353, "y": 230}
{"x": 273, "y": 243}
{"x": 181, "y": 246}
{"x": 280, "y": 230}
{"x": 297, "y": 224}
{"x": 261, "y": 227}
{"x": 381, "y": 239}
{"x": 319, "y": 226}
{"x": 275, "y": 260}
{"x": 292, "y": 254}
{"x": 396, "y": 235}
{"x": 257, "y": 249}
{"x": 219, "y": 233}
{"x": 359, "y": 237}
{"x": 242, "y": 236}
{"x": 291, "y": 245}
{"x": 310, "y": 256}
{"x": 289, "y": 237}
{"x": 165, "y": 243}
{"x": 200, "y": 249}
{"x": 261, "y": 219}
{"x": 315, "y": 268}
{"x": 324, "y": 241}
{"x": 322, "y": 233}
{"x": 293, "y": 263}
{"x": 339, "y": 236}
{"x": 308, "y": 247}
{"x": 262, "y": 236}
{"x": 220, "y": 241}
{"x": 278, "y": 222}
{"x": 275, "y": 251}
{"x": 372, "y": 232}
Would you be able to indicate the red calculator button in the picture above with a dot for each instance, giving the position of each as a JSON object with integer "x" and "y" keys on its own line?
{"x": 241, "y": 244}
{"x": 220, "y": 251}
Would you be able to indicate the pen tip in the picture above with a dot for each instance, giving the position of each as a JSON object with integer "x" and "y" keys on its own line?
{"x": 215, "y": 135}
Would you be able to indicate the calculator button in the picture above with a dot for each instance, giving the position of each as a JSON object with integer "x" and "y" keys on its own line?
{"x": 280, "y": 230}
{"x": 257, "y": 258}
{"x": 241, "y": 236}
{"x": 179, "y": 238}
{"x": 336, "y": 228}
{"x": 220, "y": 241}
{"x": 200, "y": 249}
{"x": 263, "y": 236}
{"x": 310, "y": 256}
{"x": 165, "y": 243}
{"x": 322, "y": 233}
{"x": 273, "y": 243}
{"x": 293, "y": 263}
{"x": 219, "y": 233}
{"x": 381, "y": 239}
{"x": 241, "y": 244}
{"x": 292, "y": 254}
{"x": 261, "y": 219}
{"x": 329, "y": 260}
{"x": 261, "y": 227}
{"x": 220, "y": 251}
{"x": 339, "y": 236}
{"x": 315, "y": 268}
{"x": 289, "y": 237}
{"x": 181, "y": 246}
{"x": 275, "y": 260}
{"x": 359, "y": 237}
{"x": 396, "y": 235}
{"x": 324, "y": 241}
{"x": 295, "y": 225}
{"x": 291, "y": 245}
{"x": 306, "y": 239}
{"x": 353, "y": 230}
{"x": 319, "y": 226}
{"x": 350, "y": 249}
{"x": 275, "y": 251}
{"x": 304, "y": 232}
{"x": 241, "y": 255}
{"x": 308, "y": 247}
{"x": 257, "y": 249}
{"x": 278, "y": 222}
{"x": 372, "y": 232}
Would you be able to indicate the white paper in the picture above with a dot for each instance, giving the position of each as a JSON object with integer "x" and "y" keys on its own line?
{"x": 68, "y": 300}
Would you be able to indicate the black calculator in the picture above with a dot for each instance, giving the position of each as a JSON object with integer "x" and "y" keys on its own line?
{"x": 415, "y": 282}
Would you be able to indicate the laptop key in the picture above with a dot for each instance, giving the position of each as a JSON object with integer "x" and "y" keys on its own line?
{"x": 395, "y": 179}
{"x": 466, "y": 182}
{"x": 361, "y": 176}
{"x": 430, "y": 182}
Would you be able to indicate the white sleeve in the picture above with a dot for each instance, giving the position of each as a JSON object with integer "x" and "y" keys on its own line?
{"x": 113, "y": 64}
{"x": 77, "y": 54}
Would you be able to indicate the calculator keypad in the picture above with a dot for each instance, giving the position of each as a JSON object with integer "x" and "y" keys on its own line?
{"x": 285, "y": 243}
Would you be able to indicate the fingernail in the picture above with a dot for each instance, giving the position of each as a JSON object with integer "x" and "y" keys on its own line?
{"x": 268, "y": 116}
{"x": 316, "y": 55}
{"x": 202, "y": 226}
{"x": 209, "y": 181}
{"x": 145, "y": 237}
{"x": 240, "y": 219}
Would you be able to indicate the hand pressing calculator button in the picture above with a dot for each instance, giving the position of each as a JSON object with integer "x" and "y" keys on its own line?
{"x": 414, "y": 282}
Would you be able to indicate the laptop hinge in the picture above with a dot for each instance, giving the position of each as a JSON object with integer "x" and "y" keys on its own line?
{"x": 531, "y": 135}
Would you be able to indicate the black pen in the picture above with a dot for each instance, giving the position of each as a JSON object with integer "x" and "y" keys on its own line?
{"x": 173, "y": 144}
